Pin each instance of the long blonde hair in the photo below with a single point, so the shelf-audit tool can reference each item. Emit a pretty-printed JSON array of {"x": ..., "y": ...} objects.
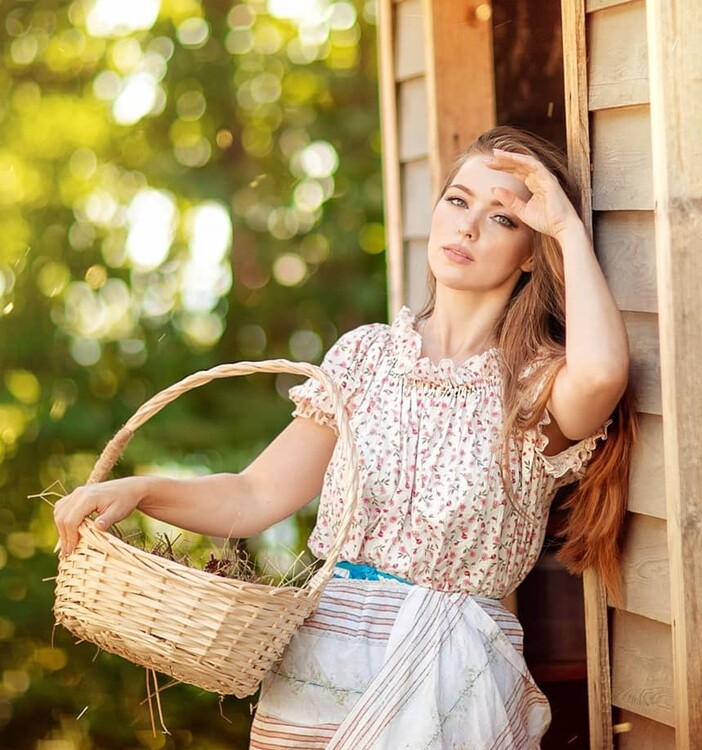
[{"x": 531, "y": 336}]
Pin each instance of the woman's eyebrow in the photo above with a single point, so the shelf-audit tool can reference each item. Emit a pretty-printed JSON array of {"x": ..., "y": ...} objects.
[{"x": 472, "y": 194}]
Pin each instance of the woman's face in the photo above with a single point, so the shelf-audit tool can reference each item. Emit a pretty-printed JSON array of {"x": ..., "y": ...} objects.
[{"x": 475, "y": 243}]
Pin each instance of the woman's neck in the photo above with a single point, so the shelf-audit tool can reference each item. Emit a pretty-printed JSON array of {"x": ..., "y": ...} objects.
[{"x": 460, "y": 326}]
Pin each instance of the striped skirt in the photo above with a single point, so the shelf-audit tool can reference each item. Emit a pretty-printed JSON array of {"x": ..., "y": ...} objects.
[{"x": 383, "y": 665}]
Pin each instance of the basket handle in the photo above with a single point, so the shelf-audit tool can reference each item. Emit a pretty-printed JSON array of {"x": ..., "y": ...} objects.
[{"x": 113, "y": 450}]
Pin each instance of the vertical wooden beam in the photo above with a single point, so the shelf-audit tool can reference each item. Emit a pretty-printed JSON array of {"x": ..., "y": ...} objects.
[
  {"x": 391, "y": 156},
  {"x": 460, "y": 78},
  {"x": 675, "y": 74},
  {"x": 576, "y": 98},
  {"x": 578, "y": 142}
]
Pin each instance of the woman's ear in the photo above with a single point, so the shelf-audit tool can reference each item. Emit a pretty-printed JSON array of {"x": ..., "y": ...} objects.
[{"x": 528, "y": 265}]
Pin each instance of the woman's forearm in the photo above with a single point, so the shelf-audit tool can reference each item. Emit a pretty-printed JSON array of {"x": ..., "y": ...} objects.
[
  {"x": 286, "y": 476},
  {"x": 223, "y": 505},
  {"x": 597, "y": 351}
]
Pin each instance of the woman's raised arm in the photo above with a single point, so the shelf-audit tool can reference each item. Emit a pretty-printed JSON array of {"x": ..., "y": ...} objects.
[
  {"x": 285, "y": 477},
  {"x": 594, "y": 377}
]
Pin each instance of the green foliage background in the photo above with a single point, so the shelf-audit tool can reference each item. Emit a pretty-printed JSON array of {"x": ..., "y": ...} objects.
[{"x": 269, "y": 121}]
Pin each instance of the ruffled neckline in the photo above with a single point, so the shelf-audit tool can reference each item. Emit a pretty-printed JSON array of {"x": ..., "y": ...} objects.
[{"x": 407, "y": 343}]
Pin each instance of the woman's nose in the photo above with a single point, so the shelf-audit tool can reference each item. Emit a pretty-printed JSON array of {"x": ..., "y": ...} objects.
[{"x": 469, "y": 226}]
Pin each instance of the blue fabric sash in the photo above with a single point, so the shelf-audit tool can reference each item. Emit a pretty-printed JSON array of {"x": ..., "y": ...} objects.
[{"x": 359, "y": 571}]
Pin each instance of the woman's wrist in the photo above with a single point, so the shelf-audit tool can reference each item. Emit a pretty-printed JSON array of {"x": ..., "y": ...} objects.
[
  {"x": 571, "y": 233},
  {"x": 144, "y": 487}
]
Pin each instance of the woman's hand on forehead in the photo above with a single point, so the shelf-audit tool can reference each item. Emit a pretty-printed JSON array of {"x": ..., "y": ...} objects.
[{"x": 548, "y": 210}]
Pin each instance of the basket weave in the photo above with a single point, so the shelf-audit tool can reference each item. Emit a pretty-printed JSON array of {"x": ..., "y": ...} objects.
[{"x": 217, "y": 633}]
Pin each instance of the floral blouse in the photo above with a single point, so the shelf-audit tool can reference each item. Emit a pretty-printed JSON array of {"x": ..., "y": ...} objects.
[{"x": 432, "y": 508}]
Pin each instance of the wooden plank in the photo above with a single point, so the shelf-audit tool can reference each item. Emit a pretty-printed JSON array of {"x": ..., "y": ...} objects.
[
  {"x": 575, "y": 80},
  {"x": 647, "y": 484},
  {"x": 621, "y": 159},
  {"x": 645, "y": 360},
  {"x": 675, "y": 55},
  {"x": 618, "y": 56},
  {"x": 417, "y": 199},
  {"x": 414, "y": 139},
  {"x": 409, "y": 43},
  {"x": 593, "y": 5},
  {"x": 417, "y": 268},
  {"x": 645, "y": 579},
  {"x": 642, "y": 673},
  {"x": 599, "y": 686},
  {"x": 391, "y": 158},
  {"x": 460, "y": 79},
  {"x": 598, "y": 660},
  {"x": 626, "y": 247},
  {"x": 644, "y": 734}
]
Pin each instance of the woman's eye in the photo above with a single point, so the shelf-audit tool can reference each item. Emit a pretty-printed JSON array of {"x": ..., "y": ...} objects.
[
  {"x": 505, "y": 221},
  {"x": 456, "y": 200}
]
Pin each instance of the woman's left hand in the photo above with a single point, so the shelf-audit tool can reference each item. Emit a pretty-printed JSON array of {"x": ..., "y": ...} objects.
[{"x": 548, "y": 210}]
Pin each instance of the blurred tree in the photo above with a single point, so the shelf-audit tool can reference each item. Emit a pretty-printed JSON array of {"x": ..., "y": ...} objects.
[{"x": 181, "y": 184}]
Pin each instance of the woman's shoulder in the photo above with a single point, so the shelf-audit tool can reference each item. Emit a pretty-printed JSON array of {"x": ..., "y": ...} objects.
[
  {"x": 400, "y": 330},
  {"x": 364, "y": 336},
  {"x": 359, "y": 346}
]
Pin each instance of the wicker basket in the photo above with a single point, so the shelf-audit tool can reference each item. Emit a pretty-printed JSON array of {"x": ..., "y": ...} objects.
[{"x": 217, "y": 633}]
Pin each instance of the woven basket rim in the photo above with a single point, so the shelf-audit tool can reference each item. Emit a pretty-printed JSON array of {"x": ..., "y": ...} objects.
[{"x": 111, "y": 544}]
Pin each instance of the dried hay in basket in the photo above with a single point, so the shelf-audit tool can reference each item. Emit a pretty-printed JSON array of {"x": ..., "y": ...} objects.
[{"x": 217, "y": 633}]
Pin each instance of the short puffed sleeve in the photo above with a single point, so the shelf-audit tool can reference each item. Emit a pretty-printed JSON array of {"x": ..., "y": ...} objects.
[
  {"x": 343, "y": 363},
  {"x": 569, "y": 465}
]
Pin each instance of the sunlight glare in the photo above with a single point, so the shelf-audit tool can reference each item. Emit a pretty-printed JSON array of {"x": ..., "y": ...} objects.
[
  {"x": 152, "y": 217},
  {"x": 120, "y": 17},
  {"x": 137, "y": 98},
  {"x": 207, "y": 274},
  {"x": 211, "y": 232},
  {"x": 297, "y": 10}
]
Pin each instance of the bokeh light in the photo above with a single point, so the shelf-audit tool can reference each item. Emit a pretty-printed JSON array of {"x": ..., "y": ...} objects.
[
  {"x": 119, "y": 17},
  {"x": 152, "y": 217}
]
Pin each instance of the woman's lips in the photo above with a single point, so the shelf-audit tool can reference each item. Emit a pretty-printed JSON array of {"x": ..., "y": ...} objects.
[{"x": 457, "y": 254}]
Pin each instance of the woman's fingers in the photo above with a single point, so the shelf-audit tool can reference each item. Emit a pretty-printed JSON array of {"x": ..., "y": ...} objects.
[
  {"x": 112, "y": 500},
  {"x": 69, "y": 513},
  {"x": 509, "y": 200},
  {"x": 522, "y": 166}
]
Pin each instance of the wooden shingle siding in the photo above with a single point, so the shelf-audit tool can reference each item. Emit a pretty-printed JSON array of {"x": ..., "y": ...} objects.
[
  {"x": 410, "y": 57},
  {"x": 642, "y": 667},
  {"x": 417, "y": 199},
  {"x": 621, "y": 159},
  {"x": 646, "y": 581},
  {"x": 626, "y": 247},
  {"x": 645, "y": 734},
  {"x": 645, "y": 360},
  {"x": 413, "y": 114},
  {"x": 647, "y": 484},
  {"x": 593, "y": 5},
  {"x": 618, "y": 56}
]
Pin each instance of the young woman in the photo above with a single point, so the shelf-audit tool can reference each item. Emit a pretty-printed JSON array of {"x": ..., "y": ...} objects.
[{"x": 468, "y": 417}]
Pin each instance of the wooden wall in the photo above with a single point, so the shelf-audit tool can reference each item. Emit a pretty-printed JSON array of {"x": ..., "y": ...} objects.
[
  {"x": 606, "y": 62},
  {"x": 624, "y": 234},
  {"x": 640, "y": 119},
  {"x": 423, "y": 56}
]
